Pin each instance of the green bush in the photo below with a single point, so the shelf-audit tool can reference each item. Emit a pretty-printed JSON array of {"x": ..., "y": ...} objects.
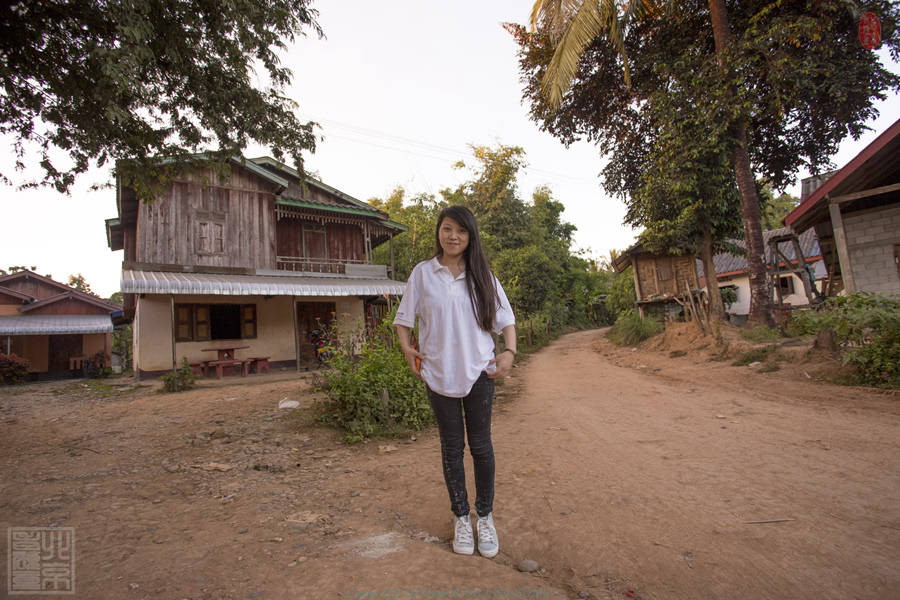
[
  {"x": 867, "y": 326},
  {"x": 13, "y": 369},
  {"x": 631, "y": 328},
  {"x": 373, "y": 392},
  {"x": 180, "y": 380}
]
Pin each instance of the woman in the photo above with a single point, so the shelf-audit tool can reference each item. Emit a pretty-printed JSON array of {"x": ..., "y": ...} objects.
[{"x": 459, "y": 302}]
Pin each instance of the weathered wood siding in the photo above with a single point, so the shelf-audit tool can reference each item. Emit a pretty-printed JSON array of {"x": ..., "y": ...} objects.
[
  {"x": 665, "y": 275},
  {"x": 69, "y": 306},
  {"x": 343, "y": 242},
  {"x": 32, "y": 287},
  {"x": 205, "y": 222}
]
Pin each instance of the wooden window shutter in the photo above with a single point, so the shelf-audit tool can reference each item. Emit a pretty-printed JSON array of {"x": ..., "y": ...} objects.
[
  {"x": 201, "y": 322},
  {"x": 218, "y": 238},
  {"x": 183, "y": 323},
  {"x": 248, "y": 320},
  {"x": 203, "y": 243}
]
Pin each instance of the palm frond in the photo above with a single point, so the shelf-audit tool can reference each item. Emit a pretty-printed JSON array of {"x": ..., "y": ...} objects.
[
  {"x": 553, "y": 16},
  {"x": 586, "y": 24}
]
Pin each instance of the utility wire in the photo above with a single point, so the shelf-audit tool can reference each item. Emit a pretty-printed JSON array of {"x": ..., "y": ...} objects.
[{"x": 425, "y": 149}]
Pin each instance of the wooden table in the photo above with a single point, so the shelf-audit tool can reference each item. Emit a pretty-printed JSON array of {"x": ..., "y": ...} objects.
[
  {"x": 225, "y": 352},
  {"x": 226, "y": 360}
]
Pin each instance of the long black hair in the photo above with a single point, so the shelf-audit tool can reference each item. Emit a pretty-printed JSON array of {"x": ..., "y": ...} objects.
[{"x": 479, "y": 280}]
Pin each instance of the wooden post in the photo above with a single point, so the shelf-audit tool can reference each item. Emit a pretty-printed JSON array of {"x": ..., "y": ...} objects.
[
  {"x": 392, "y": 255},
  {"x": 9, "y": 344},
  {"x": 637, "y": 285},
  {"x": 655, "y": 276},
  {"x": 840, "y": 240},
  {"x": 776, "y": 270},
  {"x": 296, "y": 332},
  {"x": 637, "y": 281},
  {"x": 174, "y": 333}
]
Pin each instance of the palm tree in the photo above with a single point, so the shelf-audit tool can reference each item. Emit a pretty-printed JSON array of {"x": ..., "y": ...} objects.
[{"x": 575, "y": 23}]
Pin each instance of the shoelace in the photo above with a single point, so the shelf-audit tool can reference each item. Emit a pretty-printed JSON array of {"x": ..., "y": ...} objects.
[
  {"x": 463, "y": 531},
  {"x": 485, "y": 532}
]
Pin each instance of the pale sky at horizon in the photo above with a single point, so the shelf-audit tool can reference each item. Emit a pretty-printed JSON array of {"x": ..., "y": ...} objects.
[{"x": 398, "y": 105}]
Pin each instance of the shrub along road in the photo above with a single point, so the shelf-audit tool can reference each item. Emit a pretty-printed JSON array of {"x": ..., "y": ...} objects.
[{"x": 622, "y": 474}]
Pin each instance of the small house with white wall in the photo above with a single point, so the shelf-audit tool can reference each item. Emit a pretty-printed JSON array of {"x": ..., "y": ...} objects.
[
  {"x": 732, "y": 271},
  {"x": 55, "y": 327}
]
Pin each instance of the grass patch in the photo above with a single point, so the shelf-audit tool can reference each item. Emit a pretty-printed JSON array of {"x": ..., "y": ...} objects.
[
  {"x": 677, "y": 353},
  {"x": 755, "y": 355},
  {"x": 631, "y": 329},
  {"x": 770, "y": 367},
  {"x": 760, "y": 333}
]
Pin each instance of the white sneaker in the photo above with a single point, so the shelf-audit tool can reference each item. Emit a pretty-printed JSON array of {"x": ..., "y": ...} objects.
[
  {"x": 463, "y": 542},
  {"x": 488, "y": 543}
]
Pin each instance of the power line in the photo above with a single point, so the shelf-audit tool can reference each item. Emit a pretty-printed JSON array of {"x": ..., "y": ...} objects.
[{"x": 424, "y": 149}]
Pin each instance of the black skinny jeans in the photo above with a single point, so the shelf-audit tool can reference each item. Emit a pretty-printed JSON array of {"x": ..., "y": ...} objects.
[{"x": 449, "y": 414}]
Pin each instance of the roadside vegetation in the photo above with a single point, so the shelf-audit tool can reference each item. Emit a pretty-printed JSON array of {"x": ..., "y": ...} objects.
[
  {"x": 631, "y": 329},
  {"x": 866, "y": 329}
]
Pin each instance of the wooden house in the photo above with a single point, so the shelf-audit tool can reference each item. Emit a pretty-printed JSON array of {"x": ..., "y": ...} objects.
[
  {"x": 255, "y": 261},
  {"x": 659, "y": 279},
  {"x": 855, "y": 213},
  {"x": 55, "y": 327}
]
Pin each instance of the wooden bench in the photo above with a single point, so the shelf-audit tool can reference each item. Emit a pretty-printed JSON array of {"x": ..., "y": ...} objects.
[
  {"x": 76, "y": 363},
  {"x": 200, "y": 368},
  {"x": 221, "y": 365},
  {"x": 258, "y": 363}
]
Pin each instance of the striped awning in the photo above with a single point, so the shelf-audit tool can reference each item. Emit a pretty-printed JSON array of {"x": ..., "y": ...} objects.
[
  {"x": 55, "y": 324},
  {"x": 160, "y": 282}
]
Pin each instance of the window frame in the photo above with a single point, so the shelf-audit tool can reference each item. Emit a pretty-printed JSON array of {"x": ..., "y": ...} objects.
[{"x": 197, "y": 324}]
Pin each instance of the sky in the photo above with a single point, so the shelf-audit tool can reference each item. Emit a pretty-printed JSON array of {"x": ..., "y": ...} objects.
[{"x": 401, "y": 90}]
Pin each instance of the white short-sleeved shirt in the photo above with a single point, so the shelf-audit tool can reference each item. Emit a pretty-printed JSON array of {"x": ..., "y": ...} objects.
[{"x": 456, "y": 349}]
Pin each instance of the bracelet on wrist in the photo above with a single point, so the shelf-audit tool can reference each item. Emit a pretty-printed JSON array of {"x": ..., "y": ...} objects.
[{"x": 509, "y": 350}]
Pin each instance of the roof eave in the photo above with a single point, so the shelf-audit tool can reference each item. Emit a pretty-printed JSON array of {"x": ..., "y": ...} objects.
[{"x": 795, "y": 219}]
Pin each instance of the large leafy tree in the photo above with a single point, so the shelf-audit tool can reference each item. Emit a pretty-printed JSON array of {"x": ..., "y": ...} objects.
[
  {"x": 791, "y": 82},
  {"x": 417, "y": 243},
  {"x": 98, "y": 80}
]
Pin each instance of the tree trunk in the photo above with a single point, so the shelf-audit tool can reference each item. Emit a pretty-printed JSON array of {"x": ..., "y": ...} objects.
[
  {"x": 712, "y": 283},
  {"x": 760, "y": 294},
  {"x": 760, "y": 301}
]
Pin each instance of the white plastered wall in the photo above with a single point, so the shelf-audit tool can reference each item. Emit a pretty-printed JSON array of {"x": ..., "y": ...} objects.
[{"x": 274, "y": 328}]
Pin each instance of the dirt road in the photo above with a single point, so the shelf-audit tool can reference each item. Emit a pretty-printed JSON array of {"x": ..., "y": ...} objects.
[{"x": 623, "y": 474}]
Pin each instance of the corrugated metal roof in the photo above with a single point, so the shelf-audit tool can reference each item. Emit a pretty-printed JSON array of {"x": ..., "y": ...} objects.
[
  {"x": 55, "y": 324},
  {"x": 159, "y": 282},
  {"x": 725, "y": 262}
]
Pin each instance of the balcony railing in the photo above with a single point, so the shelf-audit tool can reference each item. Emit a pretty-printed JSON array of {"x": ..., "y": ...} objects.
[{"x": 314, "y": 265}]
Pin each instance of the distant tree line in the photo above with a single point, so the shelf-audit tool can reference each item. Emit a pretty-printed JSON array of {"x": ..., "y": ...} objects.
[{"x": 550, "y": 285}]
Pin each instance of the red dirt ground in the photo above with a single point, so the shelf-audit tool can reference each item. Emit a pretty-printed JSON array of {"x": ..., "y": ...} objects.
[{"x": 623, "y": 473}]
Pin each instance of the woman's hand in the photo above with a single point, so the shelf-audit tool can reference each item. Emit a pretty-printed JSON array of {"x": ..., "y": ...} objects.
[
  {"x": 414, "y": 360},
  {"x": 503, "y": 365}
]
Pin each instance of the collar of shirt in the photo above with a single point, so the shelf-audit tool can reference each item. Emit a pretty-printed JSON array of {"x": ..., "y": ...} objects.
[{"x": 437, "y": 266}]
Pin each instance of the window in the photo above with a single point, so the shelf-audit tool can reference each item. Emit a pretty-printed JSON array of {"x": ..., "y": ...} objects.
[
  {"x": 200, "y": 322},
  {"x": 210, "y": 237},
  {"x": 786, "y": 284}
]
